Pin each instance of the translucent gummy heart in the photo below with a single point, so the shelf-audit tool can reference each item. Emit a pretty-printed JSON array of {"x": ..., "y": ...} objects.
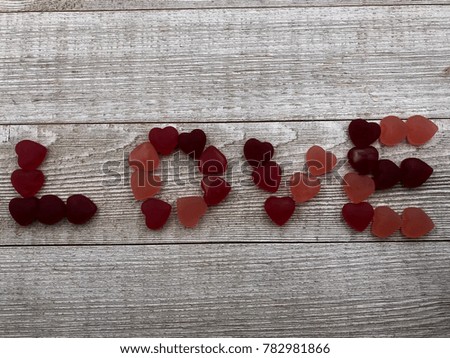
[
  {"x": 192, "y": 143},
  {"x": 216, "y": 189},
  {"x": 416, "y": 223},
  {"x": 165, "y": 140},
  {"x": 414, "y": 172},
  {"x": 212, "y": 162},
  {"x": 267, "y": 176},
  {"x": 190, "y": 210},
  {"x": 156, "y": 213},
  {"x": 30, "y": 155},
  {"x": 358, "y": 187},
  {"x": 320, "y": 161},
  {"x": 358, "y": 216},
  {"x": 51, "y": 209},
  {"x": 420, "y": 130},
  {"x": 144, "y": 157},
  {"x": 304, "y": 188},
  {"x": 24, "y": 210},
  {"x": 385, "y": 222},
  {"x": 363, "y": 133},
  {"x": 363, "y": 160},
  {"x": 279, "y": 209},
  {"x": 79, "y": 209},
  {"x": 393, "y": 131},
  {"x": 144, "y": 185},
  {"x": 27, "y": 182},
  {"x": 257, "y": 152},
  {"x": 386, "y": 174}
]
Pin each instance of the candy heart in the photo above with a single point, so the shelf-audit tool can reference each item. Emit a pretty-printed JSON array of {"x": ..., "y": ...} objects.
[
  {"x": 267, "y": 176},
  {"x": 192, "y": 143},
  {"x": 386, "y": 174},
  {"x": 393, "y": 131},
  {"x": 279, "y": 210},
  {"x": 79, "y": 209},
  {"x": 30, "y": 154},
  {"x": 216, "y": 189},
  {"x": 144, "y": 157},
  {"x": 24, "y": 210},
  {"x": 156, "y": 213},
  {"x": 358, "y": 216},
  {"x": 320, "y": 161},
  {"x": 165, "y": 140},
  {"x": 363, "y": 133},
  {"x": 420, "y": 130},
  {"x": 414, "y": 172},
  {"x": 358, "y": 187},
  {"x": 385, "y": 222},
  {"x": 416, "y": 223},
  {"x": 212, "y": 162},
  {"x": 303, "y": 188},
  {"x": 363, "y": 160},
  {"x": 256, "y": 152},
  {"x": 51, "y": 209},
  {"x": 190, "y": 210},
  {"x": 27, "y": 182},
  {"x": 144, "y": 184}
]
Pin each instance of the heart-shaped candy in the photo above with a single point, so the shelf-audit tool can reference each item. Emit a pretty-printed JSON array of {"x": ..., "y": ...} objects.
[
  {"x": 216, "y": 189},
  {"x": 393, "y": 131},
  {"x": 79, "y": 209},
  {"x": 267, "y": 176},
  {"x": 358, "y": 216},
  {"x": 165, "y": 140},
  {"x": 190, "y": 210},
  {"x": 363, "y": 133},
  {"x": 385, "y": 222},
  {"x": 416, "y": 223},
  {"x": 192, "y": 143},
  {"x": 144, "y": 157},
  {"x": 27, "y": 182},
  {"x": 414, "y": 172},
  {"x": 257, "y": 152},
  {"x": 363, "y": 160},
  {"x": 51, "y": 209},
  {"x": 386, "y": 174},
  {"x": 358, "y": 187},
  {"x": 279, "y": 209},
  {"x": 303, "y": 188},
  {"x": 320, "y": 161},
  {"x": 144, "y": 184},
  {"x": 420, "y": 130},
  {"x": 30, "y": 154},
  {"x": 212, "y": 162},
  {"x": 24, "y": 210},
  {"x": 156, "y": 213}
]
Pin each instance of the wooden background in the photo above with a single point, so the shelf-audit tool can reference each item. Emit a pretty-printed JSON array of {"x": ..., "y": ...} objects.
[{"x": 90, "y": 78}]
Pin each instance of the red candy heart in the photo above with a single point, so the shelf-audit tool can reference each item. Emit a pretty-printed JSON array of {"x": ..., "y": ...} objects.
[
  {"x": 79, "y": 209},
  {"x": 156, "y": 213},
  {"x": 24, "y": 210},
  {"x": 385, "y": 222},
  {"x": 192, "y": 143},
  {"x": 51, "y": 209},
  {"x": 363, "y": 133},
  {"x": 212, "y": 162},
  {"x": 27, "y": 182},
  {"x": 279, "y": 210},
  {"x": 358, "y": 216},
  {"x": 393, "y": 131},
  {"x": 386, "y": 174},
  {"x": 320, "y": 161},
  {"x": 257, "y": 152},
  {"x": 420, "y": 130},
  {"x": 414, "y": 172},
  {"x": 190, "y": 210},
  {"x": 416, "y": 223},
  {"x": 165, "y": 140},
  {"x": 144, "y": 184},
  {"x": 267, "y": 176},
  {"x": 304, "y": 188},
  {"x": 144, "y": 157},
  {"x": 216, "y": 190},
  {"x": 363, "y": 160},
  {"x": 30, "y": 154},
  {"x": 358, "y": 187}
]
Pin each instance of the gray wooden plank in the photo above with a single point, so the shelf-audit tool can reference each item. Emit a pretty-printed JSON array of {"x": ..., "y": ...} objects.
[
  {"x": 290, "y": 290},
  {"x": 224, "y": 64},
  {"x": 77, "y": 154}
]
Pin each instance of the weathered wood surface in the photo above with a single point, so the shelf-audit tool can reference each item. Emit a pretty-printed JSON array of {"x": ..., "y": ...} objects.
[{"x": 225, "y": 64}]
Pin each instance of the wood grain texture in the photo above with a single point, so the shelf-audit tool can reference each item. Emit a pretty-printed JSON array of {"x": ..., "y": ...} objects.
[
  {"x": 79, "y": 154},
  {"x": 224, "y": 64}
]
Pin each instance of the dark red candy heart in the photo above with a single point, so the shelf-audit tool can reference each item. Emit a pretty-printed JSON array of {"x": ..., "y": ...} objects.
[
  {"x": 51, "y": 209},
  {"x": 192, "y": 143},
  {"x": 358, "y": 216},
  {"x": 279, "y": 210},
  {"x": 23, "y": 210},
  {"x": 363, "y": 133},
  {"x": 165, "y": 140},
  {"x": 414, "y": 172},
  {"x": 80, "y": 209},
  {"x": 386, "y": 174},
  {"x": 216, "y": 189},
  {"x": 27, "y": 182},
  {"x": 30, "y": 154},
  {"x": 212, "y": 162},
  {"x": 257, "y": 152},
  {"x": 363, "y": 160},
  {"x": 267, "y": 176},
  {"x": 156, "y": 213}
]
